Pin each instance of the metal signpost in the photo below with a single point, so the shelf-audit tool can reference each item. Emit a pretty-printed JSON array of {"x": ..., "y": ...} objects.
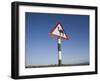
[{"x": 58, "y": 31}]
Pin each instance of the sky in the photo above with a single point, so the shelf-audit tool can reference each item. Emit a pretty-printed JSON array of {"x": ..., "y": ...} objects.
[{"x": 41, "y": 48}]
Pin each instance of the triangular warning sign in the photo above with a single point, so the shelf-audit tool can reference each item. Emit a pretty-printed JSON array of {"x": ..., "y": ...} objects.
[{"x": 58, "y": 31}]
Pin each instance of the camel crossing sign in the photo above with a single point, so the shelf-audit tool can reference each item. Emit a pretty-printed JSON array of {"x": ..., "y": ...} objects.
[{"x": 59, "y": 32}]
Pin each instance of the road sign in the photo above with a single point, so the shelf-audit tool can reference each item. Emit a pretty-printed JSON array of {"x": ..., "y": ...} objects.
[{"x": 58, "y": 31}]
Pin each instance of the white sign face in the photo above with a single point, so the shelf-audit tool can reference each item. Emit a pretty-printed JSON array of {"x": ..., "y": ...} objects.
[{"x": 58, "y": 31}]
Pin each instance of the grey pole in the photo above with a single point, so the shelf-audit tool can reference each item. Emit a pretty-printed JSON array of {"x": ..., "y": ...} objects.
[{"x": 59, "y": 52}]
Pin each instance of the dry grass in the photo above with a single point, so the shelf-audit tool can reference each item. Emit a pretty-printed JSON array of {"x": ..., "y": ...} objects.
[{"x": 55, "y": 65}]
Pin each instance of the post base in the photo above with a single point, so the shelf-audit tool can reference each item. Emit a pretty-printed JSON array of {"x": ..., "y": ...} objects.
[{"x": 59, "y": 62}]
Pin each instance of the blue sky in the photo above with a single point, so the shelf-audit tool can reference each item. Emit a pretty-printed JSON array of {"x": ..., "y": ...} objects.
[{"x": 41, "y": 48}]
